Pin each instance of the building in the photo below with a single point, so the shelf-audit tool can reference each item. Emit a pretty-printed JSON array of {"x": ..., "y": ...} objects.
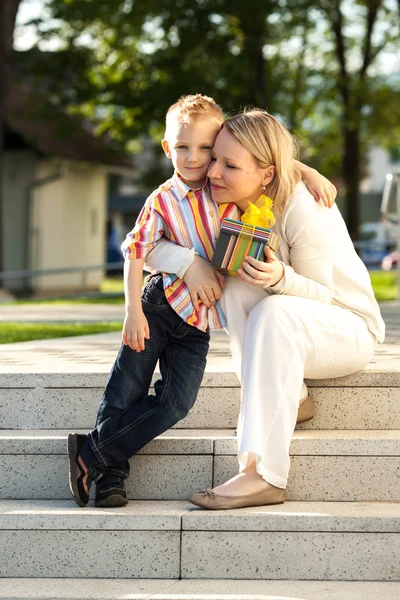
[
  {"x": 380, "y": 162},
  {"x": 55, "y": 191}
]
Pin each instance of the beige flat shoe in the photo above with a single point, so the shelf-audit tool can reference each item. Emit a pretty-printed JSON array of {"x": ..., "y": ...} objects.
[
  {"x": 212, "y": 501},
  {"x": 306, "y": 410}
]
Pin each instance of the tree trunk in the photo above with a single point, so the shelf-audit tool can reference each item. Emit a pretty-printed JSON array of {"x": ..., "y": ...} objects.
[
  {"x": 8, "y": 13},
  {"x": 351, "y": 177},
  {"x": 254, "y": 31},
  {"x": 298, "y": 81},
  {"x": 257, "y": 72}
]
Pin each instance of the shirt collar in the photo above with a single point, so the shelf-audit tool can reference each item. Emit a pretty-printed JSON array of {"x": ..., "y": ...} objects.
[{"x": 181, "y": 188}]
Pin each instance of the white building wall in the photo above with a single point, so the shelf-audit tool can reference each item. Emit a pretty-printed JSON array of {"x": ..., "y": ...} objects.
[
  {"x": 69, "y": 218},
  {"x": 379, "y": 164}
]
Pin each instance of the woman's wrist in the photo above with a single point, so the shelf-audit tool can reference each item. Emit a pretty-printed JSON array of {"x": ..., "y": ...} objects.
[
  {"x": 282, "y": 273},
  {"x": 186, "y": 264},
  {"x": 168, "y": 257},
  {"x": 280, "y": 284}
]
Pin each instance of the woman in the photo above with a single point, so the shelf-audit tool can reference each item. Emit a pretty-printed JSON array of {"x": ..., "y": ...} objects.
[{"x": 307, "y": 312}]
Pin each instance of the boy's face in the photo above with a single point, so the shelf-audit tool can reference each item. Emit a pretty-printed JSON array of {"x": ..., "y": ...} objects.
[{"x": 189, "y": 146}]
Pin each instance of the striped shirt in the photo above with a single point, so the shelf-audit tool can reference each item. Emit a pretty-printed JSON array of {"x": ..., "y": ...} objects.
[{"x": 189, "y": 218}]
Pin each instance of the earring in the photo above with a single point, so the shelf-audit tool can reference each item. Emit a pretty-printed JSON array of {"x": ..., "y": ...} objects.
[{"x": 264, "y": 188}]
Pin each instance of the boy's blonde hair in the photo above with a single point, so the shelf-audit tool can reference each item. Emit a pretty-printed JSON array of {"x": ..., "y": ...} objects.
[
  {"x": 271, "y": 144},
  {"x": 188, "y": 108}
]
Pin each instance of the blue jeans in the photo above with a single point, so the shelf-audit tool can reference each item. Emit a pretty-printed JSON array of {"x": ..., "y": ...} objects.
[{"x": 129, "y": 417}]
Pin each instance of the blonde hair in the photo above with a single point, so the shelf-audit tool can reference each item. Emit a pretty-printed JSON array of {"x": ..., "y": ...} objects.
[
  {"x": 270, "y": 143},
  {"x": 188, "y": 108}
]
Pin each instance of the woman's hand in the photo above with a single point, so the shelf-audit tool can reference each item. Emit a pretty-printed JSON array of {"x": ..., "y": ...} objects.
[
  {"x": 135, "y": 329},
  {"x": 203, "y": 282},
  {"x": 320, "y": 187},
  {"x": 262, "y": 274}
]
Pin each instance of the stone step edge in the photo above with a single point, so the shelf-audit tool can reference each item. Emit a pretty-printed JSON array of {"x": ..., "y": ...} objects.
[
  {"x": 190, "y": 589},
  {"x": 370, "y": 377},
  {"x": 167, "y": 515},
  {"x": 219, "y": 442}
]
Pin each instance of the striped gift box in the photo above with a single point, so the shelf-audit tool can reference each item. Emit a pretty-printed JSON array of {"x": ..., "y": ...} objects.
[{"x": 238, "y": 240}]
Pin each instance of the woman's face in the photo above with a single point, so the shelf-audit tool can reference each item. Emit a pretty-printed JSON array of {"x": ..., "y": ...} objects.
[{"x": 234, "y": 174}]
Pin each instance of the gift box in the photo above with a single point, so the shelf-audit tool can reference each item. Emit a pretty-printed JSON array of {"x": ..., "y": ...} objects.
[{"x": 238, "y": 239}]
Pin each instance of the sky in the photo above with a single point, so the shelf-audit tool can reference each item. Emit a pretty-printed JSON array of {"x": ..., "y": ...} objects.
[{"x": 29, "y": 9}]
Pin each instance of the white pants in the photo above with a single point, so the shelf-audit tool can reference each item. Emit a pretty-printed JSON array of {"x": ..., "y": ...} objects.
[{"x": 277, "y": 341}]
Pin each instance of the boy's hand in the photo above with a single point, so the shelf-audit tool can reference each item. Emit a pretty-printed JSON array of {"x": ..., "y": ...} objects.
[
  {"x": 320, "y": 187},
  {"x": 135, "y": 330},
  {"x": 204, "y": 283}
]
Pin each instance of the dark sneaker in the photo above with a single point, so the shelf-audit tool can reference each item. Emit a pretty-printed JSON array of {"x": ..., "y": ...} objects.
[
  {"x": 79, "y": 463},
  {"x": 110, "y": 492}
]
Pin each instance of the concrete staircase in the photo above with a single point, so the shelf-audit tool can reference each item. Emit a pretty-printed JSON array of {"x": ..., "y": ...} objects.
[{"x": 336, "y": 538}]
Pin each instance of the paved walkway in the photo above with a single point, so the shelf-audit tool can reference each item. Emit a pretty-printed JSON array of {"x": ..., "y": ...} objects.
[
  {"x": 60, "y": 313},
  {"x": 87, "y": 354},
  {"x": 96, "y": 353}
]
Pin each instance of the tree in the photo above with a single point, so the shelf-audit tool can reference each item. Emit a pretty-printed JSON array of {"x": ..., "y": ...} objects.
[
  {"x": 128, "y": 61},
  {"x": 8, "y": 14},
  {"x": 144, "y": 55},
  {"x": 355, "y": 85}
]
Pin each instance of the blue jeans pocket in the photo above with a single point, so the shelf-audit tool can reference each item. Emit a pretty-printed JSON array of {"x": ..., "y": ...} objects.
[{"x": 153, "y": 295}]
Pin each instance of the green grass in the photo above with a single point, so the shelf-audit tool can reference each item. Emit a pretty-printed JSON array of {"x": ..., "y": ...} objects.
[
  {"x": 24, "y": 332},
  {"x": 113, "y": 285},
  {"x": 384, "y": 284}
]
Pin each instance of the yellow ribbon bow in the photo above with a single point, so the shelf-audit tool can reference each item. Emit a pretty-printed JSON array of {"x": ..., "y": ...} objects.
[{"x": 260, "y": 213}]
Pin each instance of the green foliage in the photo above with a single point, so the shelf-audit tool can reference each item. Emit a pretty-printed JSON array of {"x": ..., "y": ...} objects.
[
  {"x": 123, "y": 62},
  {"x": 133, "y": 59}
]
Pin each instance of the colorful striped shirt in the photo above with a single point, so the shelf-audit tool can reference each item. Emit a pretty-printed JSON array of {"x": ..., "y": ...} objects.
[{"x": 189, "y": 218}]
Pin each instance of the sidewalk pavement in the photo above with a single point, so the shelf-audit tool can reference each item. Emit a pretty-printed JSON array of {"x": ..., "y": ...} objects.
[
  {"x": 88, "y": 354},
  {"x": 60, "y": 313},
  {"x": 96, "y": 353}
]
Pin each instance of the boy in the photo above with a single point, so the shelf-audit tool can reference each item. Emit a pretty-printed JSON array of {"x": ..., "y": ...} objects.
[{"x": 162, "y": 324}]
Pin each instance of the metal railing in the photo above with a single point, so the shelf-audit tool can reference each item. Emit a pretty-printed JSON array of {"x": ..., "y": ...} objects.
[{"x": 83, "y": 270}]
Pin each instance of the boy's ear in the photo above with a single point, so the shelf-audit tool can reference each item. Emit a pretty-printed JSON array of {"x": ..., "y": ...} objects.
[
  {"x": 166, "y": 148},
  {"x": 269, "y": 174}
]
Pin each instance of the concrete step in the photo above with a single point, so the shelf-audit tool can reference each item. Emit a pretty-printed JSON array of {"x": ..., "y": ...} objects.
[
  {"x": 189, "y": 589},
  {"x": 326, "y": 465},
  {"x": 172, "y": 540},
  {"x": 296, "y": 541},
  {"x": 366, "y": 400}
]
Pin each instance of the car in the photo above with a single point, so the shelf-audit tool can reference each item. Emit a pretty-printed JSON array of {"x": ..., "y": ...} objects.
[
  {"x": 390, "y": 261},
  {"x": 374, "y": 243}
]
